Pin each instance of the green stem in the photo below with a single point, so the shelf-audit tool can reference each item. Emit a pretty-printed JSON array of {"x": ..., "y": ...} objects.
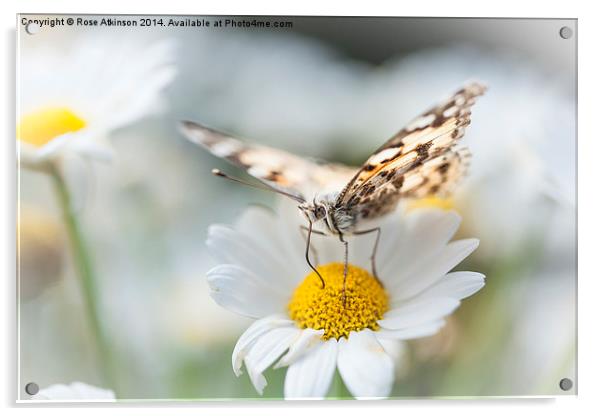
[{"x": 83, "y": 264}]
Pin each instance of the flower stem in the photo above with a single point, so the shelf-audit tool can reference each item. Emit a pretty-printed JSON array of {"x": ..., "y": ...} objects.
[{"x": 83, "y": 265}]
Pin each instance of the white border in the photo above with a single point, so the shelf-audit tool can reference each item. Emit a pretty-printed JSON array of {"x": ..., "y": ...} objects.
[
  {"x": 590, "y": 281},
  {"x": 508, "y": 8}
]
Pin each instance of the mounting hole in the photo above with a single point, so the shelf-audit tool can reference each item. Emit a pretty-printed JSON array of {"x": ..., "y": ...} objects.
[
  {"x": 566, "y": 32},
  {"x": 32, "y": 28},
  {"x": 32, "y": 389},
  {"x": 566, "y": 384}
]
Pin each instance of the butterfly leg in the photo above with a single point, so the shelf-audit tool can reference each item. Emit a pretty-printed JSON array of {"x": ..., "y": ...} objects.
[
  {"x": 307, "y": 247},
  {"x": 373, "y": 255},
  {"x": 346, "y": 267}
]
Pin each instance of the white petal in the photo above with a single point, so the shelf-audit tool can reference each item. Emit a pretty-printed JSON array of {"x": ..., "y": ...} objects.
[
  {"x": 258, "y": 222},
  {"x": 393, "y": 347},
  {"x": 145, "y": 102},
  {"x": 366, "y": 368},
  {"x": 418, "y": 331},
  {"x": 425, "y": 233},
  {"x": 93, "y": 147},
  {"x": 360, "y": 250},
  {"x": 28, "y": 154},
  {"x": 242, "y": 292},
  {"x": 74, "y": 391},
  {"x": 132, "y": 81},
  {"x": 310, "y": 376},
  {"x": 393, "y": 231},
  {"x": 457, "y": 285},
  {"x": 229, "y": 246},
  {"x": 416, "y": 280},
  {"x": 308, "y": 339},
  {"x": 418, "y": 311},
  {"x": 398, "y": 350},
  {"x": 260, "y": 225},
  {"x": 266, "y": 350},
  {"x": 54, "y": 146},
  {"x": 88, "y": 143},
  {"x": 290, "y": 239},
  {"x": 328, "y": 248},
  {"x": 250, "y": 336}
]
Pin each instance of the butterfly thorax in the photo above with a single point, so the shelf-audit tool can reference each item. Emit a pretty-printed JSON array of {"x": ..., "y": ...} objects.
[{"x": 327, "y": 216}]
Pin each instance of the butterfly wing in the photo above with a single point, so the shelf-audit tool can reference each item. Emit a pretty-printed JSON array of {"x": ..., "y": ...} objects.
[
  {"x": 438, "y": 176},
  {"x": 420, "y": 160},
  {"x": 276, "y": 168}
]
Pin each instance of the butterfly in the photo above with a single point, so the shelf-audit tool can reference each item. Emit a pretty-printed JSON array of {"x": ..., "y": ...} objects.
[{"x": 421, "y": 160}]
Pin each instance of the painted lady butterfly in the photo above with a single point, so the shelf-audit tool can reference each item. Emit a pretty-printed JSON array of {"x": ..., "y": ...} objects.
[{"x": 421, "y": 160}]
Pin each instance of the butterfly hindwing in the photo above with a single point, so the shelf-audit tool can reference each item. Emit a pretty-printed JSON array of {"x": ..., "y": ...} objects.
[{"x": 438, "y": 176}]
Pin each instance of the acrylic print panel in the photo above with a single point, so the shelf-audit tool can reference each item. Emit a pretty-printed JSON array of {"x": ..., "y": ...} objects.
[{"x": 143, "y": 276}]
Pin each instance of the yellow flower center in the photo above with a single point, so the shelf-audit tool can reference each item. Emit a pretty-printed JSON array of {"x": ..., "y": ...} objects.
[
  {"x": 41, "y": 126},
  {"x": 432, "y": 202},
  {"x": 322, "y": 308}
]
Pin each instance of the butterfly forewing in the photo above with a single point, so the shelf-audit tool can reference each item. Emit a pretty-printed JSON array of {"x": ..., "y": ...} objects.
[
  {"x": 279, "y": 169},
  {"x": 418, "y": 161}
]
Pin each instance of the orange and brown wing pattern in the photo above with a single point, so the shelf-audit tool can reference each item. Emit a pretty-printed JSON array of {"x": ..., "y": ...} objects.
[
  {"x": 398, "y": 167},
  {"x": 437, "y": 177}
]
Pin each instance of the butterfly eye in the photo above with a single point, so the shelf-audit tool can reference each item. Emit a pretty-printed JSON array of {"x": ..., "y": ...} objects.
[{"x": 320, "y": 212}]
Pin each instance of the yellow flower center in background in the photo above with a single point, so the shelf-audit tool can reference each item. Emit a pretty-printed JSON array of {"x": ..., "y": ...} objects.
[
  {"x": 431, "y": 202},
  {"x": 40, "y": 127},
  {"x": 313, "y": 307}
]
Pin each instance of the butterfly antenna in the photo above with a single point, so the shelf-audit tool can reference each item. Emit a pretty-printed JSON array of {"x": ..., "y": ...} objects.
[
  {"x": 307, "y": 246},
  {"x": 221, "y": 174}
]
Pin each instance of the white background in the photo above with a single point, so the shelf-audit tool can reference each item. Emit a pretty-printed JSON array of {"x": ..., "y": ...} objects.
[{"x": 590, "y": 138}]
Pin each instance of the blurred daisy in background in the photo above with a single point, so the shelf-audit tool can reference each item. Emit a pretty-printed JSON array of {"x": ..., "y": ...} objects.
[
  {"x": 69, "y": 101},
  {"x": 76, "y": 391},
  {"x": 307, "y": 328}
]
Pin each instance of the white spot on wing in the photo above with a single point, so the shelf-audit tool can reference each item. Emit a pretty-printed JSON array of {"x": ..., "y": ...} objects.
[
  {"x": 421, "y": 122},
  {"x": 450, "y": 111},
  {"x": 225, "y": 148},
  {"x": 259, "y": 171},
  {"x": 383, "y": 155}
]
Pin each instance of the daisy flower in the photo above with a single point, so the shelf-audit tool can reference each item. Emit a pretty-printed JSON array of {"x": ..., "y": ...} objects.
[
  {"x": 76, "y": 391},
  {"x": 70, "y": 99},
  {"x": 263, "y": 275}
]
